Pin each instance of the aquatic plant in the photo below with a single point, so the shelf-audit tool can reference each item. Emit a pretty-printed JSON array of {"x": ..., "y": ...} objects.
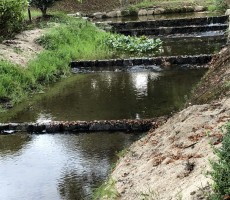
[{"x": 133, "y": 44}]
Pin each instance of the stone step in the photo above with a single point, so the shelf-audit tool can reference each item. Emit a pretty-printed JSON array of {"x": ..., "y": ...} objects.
[
  {"x": 162, "y": 31},
  {"x": 161, "y": 61},
  {"x": 170, "y": 23},
  {"x": 129, "y": 125}
]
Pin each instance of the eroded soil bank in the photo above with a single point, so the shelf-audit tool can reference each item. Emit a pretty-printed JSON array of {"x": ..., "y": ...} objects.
[{"x": 172, "y": 161}]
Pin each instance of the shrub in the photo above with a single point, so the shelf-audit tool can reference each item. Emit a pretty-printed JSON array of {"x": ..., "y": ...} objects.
[
  {"x": 221, "y": 168},
  {"x": 11, "y": 15}
]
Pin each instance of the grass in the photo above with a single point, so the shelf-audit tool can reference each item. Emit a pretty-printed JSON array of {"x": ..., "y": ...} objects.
[
  {"x": 71, "y": 39},
  {"x": 106, "y": 190},
  {"x": 221, "y": 169}
]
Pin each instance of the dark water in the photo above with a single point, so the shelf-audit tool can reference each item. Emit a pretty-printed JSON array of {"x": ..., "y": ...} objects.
[
  {"x": 199, "y": 44},
  {"x": 53, "y": 167},
  {"x": 110, "y": 95},
  {"x": 68, "y": 166}
]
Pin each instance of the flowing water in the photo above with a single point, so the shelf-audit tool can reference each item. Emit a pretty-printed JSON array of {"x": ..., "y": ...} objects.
[{"x": 70, "y": 166}]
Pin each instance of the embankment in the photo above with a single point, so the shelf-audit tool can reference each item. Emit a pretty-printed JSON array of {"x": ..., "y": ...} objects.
[{"x": 172, "y": 161}]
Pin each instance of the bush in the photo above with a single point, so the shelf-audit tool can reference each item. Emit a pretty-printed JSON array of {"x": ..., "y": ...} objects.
[
  {"x": 221, "y": 168},
  {"x": 11, "y": 15}
]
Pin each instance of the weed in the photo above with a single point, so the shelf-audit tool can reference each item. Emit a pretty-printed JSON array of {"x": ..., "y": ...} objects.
[
  {"x": 106, "y": 190},
  {"x": 221, "y": 168},
  {"x": 122, "y": 153}
]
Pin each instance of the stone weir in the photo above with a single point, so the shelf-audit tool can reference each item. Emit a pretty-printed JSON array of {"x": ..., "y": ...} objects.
[
  {"x": 174, "y": 26},
  {"x": 163, "y": 61},
  {"x": 129, "y": 126}
]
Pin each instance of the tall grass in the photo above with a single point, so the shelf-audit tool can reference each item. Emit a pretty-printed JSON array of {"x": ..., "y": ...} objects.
[{"x": 70, "y": 39}]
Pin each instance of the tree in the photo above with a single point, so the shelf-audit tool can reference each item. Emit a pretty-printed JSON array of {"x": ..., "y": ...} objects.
[
  {"x": 43, "y": 5},
  {"x": 11, "y": 15}
]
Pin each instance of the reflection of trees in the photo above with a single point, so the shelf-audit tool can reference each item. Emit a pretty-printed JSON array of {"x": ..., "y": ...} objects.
[
  {"x": 89, "y": 167},
  {"x": 78, "y": 187},
  {"x": 11, "y": 144}
]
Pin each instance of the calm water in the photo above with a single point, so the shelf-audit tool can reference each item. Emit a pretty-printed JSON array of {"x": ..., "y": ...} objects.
[
  {"x": 53, "y": 167},
  {"x": 68, "y": 166},
  {"x": 110, "y": 95}
]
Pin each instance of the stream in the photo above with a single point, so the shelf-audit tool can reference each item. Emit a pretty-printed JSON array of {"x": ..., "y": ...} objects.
[{"x": 70, "y": 166}]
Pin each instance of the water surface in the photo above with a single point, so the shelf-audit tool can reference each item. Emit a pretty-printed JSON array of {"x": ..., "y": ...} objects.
[
  {"x": 110, "y": 95},
  {"x": 53, "y": 167}
]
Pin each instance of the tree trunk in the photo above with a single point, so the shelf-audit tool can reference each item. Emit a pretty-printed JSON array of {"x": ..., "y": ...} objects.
[{"x": 43, "y": 10}]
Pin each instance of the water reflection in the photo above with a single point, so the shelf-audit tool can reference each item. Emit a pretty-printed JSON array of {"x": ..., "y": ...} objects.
[
  {"x": 59, "y": 166},
  {"x": 113, "y": 95},
  {"x": 13, "y": 144}
]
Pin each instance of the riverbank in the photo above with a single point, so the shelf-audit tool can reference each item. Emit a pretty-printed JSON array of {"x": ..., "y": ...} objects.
[
  {"x": 172, "y": 162},
  {"x": 39, "y": 57}
]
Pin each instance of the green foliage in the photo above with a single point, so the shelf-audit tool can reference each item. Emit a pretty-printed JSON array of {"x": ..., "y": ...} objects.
[
  {"x": 14, "y": 82},
  {"x": 131, "y": 44},
  {"x": 11, "y": 15},
  {"x": 221, "y": 168},
  {"x": 106, "y": 190},
  {"x": 71, "y": 39},
  {"x": 217, "y": 5},
  {"x": 43, "y": 5}
]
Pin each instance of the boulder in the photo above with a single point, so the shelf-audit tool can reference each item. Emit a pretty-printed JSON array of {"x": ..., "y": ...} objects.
[
  {"x": 99, "y": 15},
  {"x": 118, "y": 13},
  {"x": 199, "y": 8},
  {"x": 142, "y": 12},
  {"x": 111, "y": 14},
  {"x": 159, "y": 11},
  {"x": 227, "y": 12},
  {"x": 150, "y": 12}
]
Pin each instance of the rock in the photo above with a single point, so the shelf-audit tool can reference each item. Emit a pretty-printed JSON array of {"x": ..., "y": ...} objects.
[
  {"x": 159, "y": 11},
  {"x": 227, "y": 12},
  {"x": 142, "y": 12},
  {"x": 150, "y": 12},
  {"x": 118, "y": 13},
  {"x": 111, "y": 14},
  {"x": 199, "y": 8},
  {"x": 99, "y": 15}
]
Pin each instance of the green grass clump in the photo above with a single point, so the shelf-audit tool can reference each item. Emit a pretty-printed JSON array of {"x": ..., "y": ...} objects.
[
  {"x": 221, "y": 169},
  {"x": 70, "y": 39},
  {"x": 15, "y": 82},
  {"x": 106, "y": 190}
]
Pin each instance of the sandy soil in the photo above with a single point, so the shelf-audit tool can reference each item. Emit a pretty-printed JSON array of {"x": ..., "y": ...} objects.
[
  {"x": 172, "y": 162},
  {"x": 22, "y": 48}
]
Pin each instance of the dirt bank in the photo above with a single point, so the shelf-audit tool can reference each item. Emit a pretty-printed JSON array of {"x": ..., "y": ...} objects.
[
  {"x": 172, "y": 161},
  {"x": 22, "y": 48}
]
